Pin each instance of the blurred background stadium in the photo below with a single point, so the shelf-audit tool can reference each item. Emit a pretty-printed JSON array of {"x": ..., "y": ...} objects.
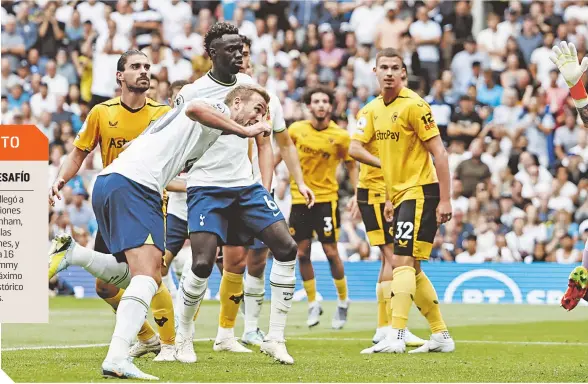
[{"x": 518, "y": 153}]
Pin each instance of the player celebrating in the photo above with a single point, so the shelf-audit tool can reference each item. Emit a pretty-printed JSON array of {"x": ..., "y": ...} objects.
[
  {"x": 321, "y": 145},
  {"x": 565, "y": 56},
  {"x": 221, "y": 189},
  {"x": 369, "y": 200},
  {"x": 127, "y": 200},
  {"x": 255, "y": 258},
  {"x": 111, "y": 125},
  {"x": 417, "y": 199}
]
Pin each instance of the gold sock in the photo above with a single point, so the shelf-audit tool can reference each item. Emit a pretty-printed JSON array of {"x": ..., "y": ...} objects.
[
  {"x": 310, "y": 288},
  {"x": 231, "y": 294},
  {"x": 386, "y": 287},
  {"x": 427, "y": 302},
  {"x": 162, "y": 307},
  {"x": 146, "y": 331},
  {"x": 403, "y": 292},
  {"x": 341, "y": 286},
  {"x": 381, "y": 306}
]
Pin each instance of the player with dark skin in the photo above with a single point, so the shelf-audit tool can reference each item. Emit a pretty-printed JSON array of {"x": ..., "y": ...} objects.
[{"x": 225, "y": 47}]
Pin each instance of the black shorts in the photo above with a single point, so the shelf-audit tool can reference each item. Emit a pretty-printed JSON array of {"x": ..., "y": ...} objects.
[
  {"x": 322, "y": 219},
  {"x": 415, "y": 221}
]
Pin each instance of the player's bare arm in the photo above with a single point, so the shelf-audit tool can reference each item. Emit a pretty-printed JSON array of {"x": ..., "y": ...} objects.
[
  {"x": 352, "y": 168},
  {"x": 289, "y": 154},
  {"x": 359, "y": 153},
  {"x": 210, "y": 117},
  {"x": 437, "y": 149},
  {"x": 176, "y": 185},
  {"x": 68, "y": 169},
  {"x": 266, "y": 160}
]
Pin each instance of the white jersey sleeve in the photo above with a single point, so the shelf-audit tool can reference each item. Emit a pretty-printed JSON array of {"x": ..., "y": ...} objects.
[
  {"x": 177, "y": 202},
  {"x": 227, "y": 163},
  {"x": 170, "y": 144}
]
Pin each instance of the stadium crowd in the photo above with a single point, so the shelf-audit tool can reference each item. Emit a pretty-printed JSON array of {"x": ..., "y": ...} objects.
[{"x": 518, "y": 151}]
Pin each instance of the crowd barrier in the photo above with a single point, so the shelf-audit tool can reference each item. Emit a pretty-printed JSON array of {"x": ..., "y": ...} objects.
[{"x": 490, "y": 283}]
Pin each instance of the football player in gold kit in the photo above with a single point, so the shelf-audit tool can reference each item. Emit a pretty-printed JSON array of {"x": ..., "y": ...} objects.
[
  {"x": 417, "y": 199},
  {"x": 322, "y": 145},
  {"x": 369, "y": 201},
  {"x": 111, "y": 125}
]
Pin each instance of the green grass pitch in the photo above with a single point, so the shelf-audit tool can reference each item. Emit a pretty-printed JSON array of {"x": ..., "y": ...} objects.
[{"x": 494, "y": 343}]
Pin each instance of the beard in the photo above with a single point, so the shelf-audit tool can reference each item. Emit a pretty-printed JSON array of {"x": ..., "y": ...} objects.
[{"x": 138, "y": 88}]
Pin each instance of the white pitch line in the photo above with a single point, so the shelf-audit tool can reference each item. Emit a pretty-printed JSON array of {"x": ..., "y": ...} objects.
[{"x": 81, "y": 346}]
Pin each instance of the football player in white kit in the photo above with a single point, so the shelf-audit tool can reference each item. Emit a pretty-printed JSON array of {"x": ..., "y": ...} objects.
[
  {"x": 256, "y": 255},
  {"x": 227, "y": 206},
  {"x": 127, "y": 201}
]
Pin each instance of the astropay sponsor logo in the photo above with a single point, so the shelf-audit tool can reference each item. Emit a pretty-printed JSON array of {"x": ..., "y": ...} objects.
[{"x": 506, "y": 292}]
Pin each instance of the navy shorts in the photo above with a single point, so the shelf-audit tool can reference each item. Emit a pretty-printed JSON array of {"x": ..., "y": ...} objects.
[
  {"x": 176, "y": 233},
  {"x": 236, "y": 215},
  {"x": 129, "y": 214}
]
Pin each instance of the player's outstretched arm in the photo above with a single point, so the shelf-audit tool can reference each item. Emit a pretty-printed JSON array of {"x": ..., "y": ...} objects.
[
  {"x": 359, "y": 153},
  {"x": 70, "y": 167},
  {"x": 565, "y": 56},
  {"x": 211, "y": 117},
  {"x": 437, "y": 149}
]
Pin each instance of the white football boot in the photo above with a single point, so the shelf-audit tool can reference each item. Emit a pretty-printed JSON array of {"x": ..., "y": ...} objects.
[
  {"x": 340, "y": 317},
  {"x": 167, "y": 353},
  {"x": 392, "y": 343},
  {"x": 439, "y": 342},
  {"x": 314, "y": 313},
  {"x": 124, "y": 369},
  {"x": 412, "y": 340},
  {"x": 229, "y": 345},
  {"x": 253, "y": 337},
  {"x": 381, "y": 334},
  {"x": 185, "y": 349},
  {"x": 277, "y": 350},
  {"x": 140, "y": 348}
]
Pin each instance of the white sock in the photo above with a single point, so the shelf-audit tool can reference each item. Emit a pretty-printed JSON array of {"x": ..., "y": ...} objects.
[
  {"x": 282, "y": 282},
  {"x": 342, "y": 303},
  {"x": 190, "y": 295},
  {"x": 254, "y": 291},
  {"x": 130, "y": 315},
  {"x": 102, "y": 265},
  {"x": 225, "y": 333},
  {"x": 168, "y": 280}
]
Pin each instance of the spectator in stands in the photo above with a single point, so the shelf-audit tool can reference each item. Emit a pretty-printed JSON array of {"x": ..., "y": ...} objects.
[
  {"x": 566, "y": 137},
  {"x": 473, "y": 171},
  {"x": 465, "y": 122}
]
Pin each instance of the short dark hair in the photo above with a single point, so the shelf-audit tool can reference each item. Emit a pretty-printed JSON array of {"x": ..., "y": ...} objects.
[
  {"x": 122, "y": 60},
  {"x": 246, "y": 40},
  {"x": 389, "y": 52},
  {"x": 217, "y": 31},
  {"x": 320, "y": 89}
]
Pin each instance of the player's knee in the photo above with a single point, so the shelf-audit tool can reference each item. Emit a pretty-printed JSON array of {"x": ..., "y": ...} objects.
[
  {"x": 105, "y": 290},
  {"x": 288, "y": 252},
  {"x": 331, "y": 252},
  {"x": 202, "y": 268}
]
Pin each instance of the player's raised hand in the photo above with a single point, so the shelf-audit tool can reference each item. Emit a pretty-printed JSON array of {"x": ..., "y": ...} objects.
[
  {"x": 54, "y": 191},
  {"x": 260, "y": 127},
  {"x": 565, "y": 56},
  {"x": 444, "y": 212},
  {"x": 353, "y": 208},
  {"x": 388, "y": 211},
  {"x": 308, "y": 195}
]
